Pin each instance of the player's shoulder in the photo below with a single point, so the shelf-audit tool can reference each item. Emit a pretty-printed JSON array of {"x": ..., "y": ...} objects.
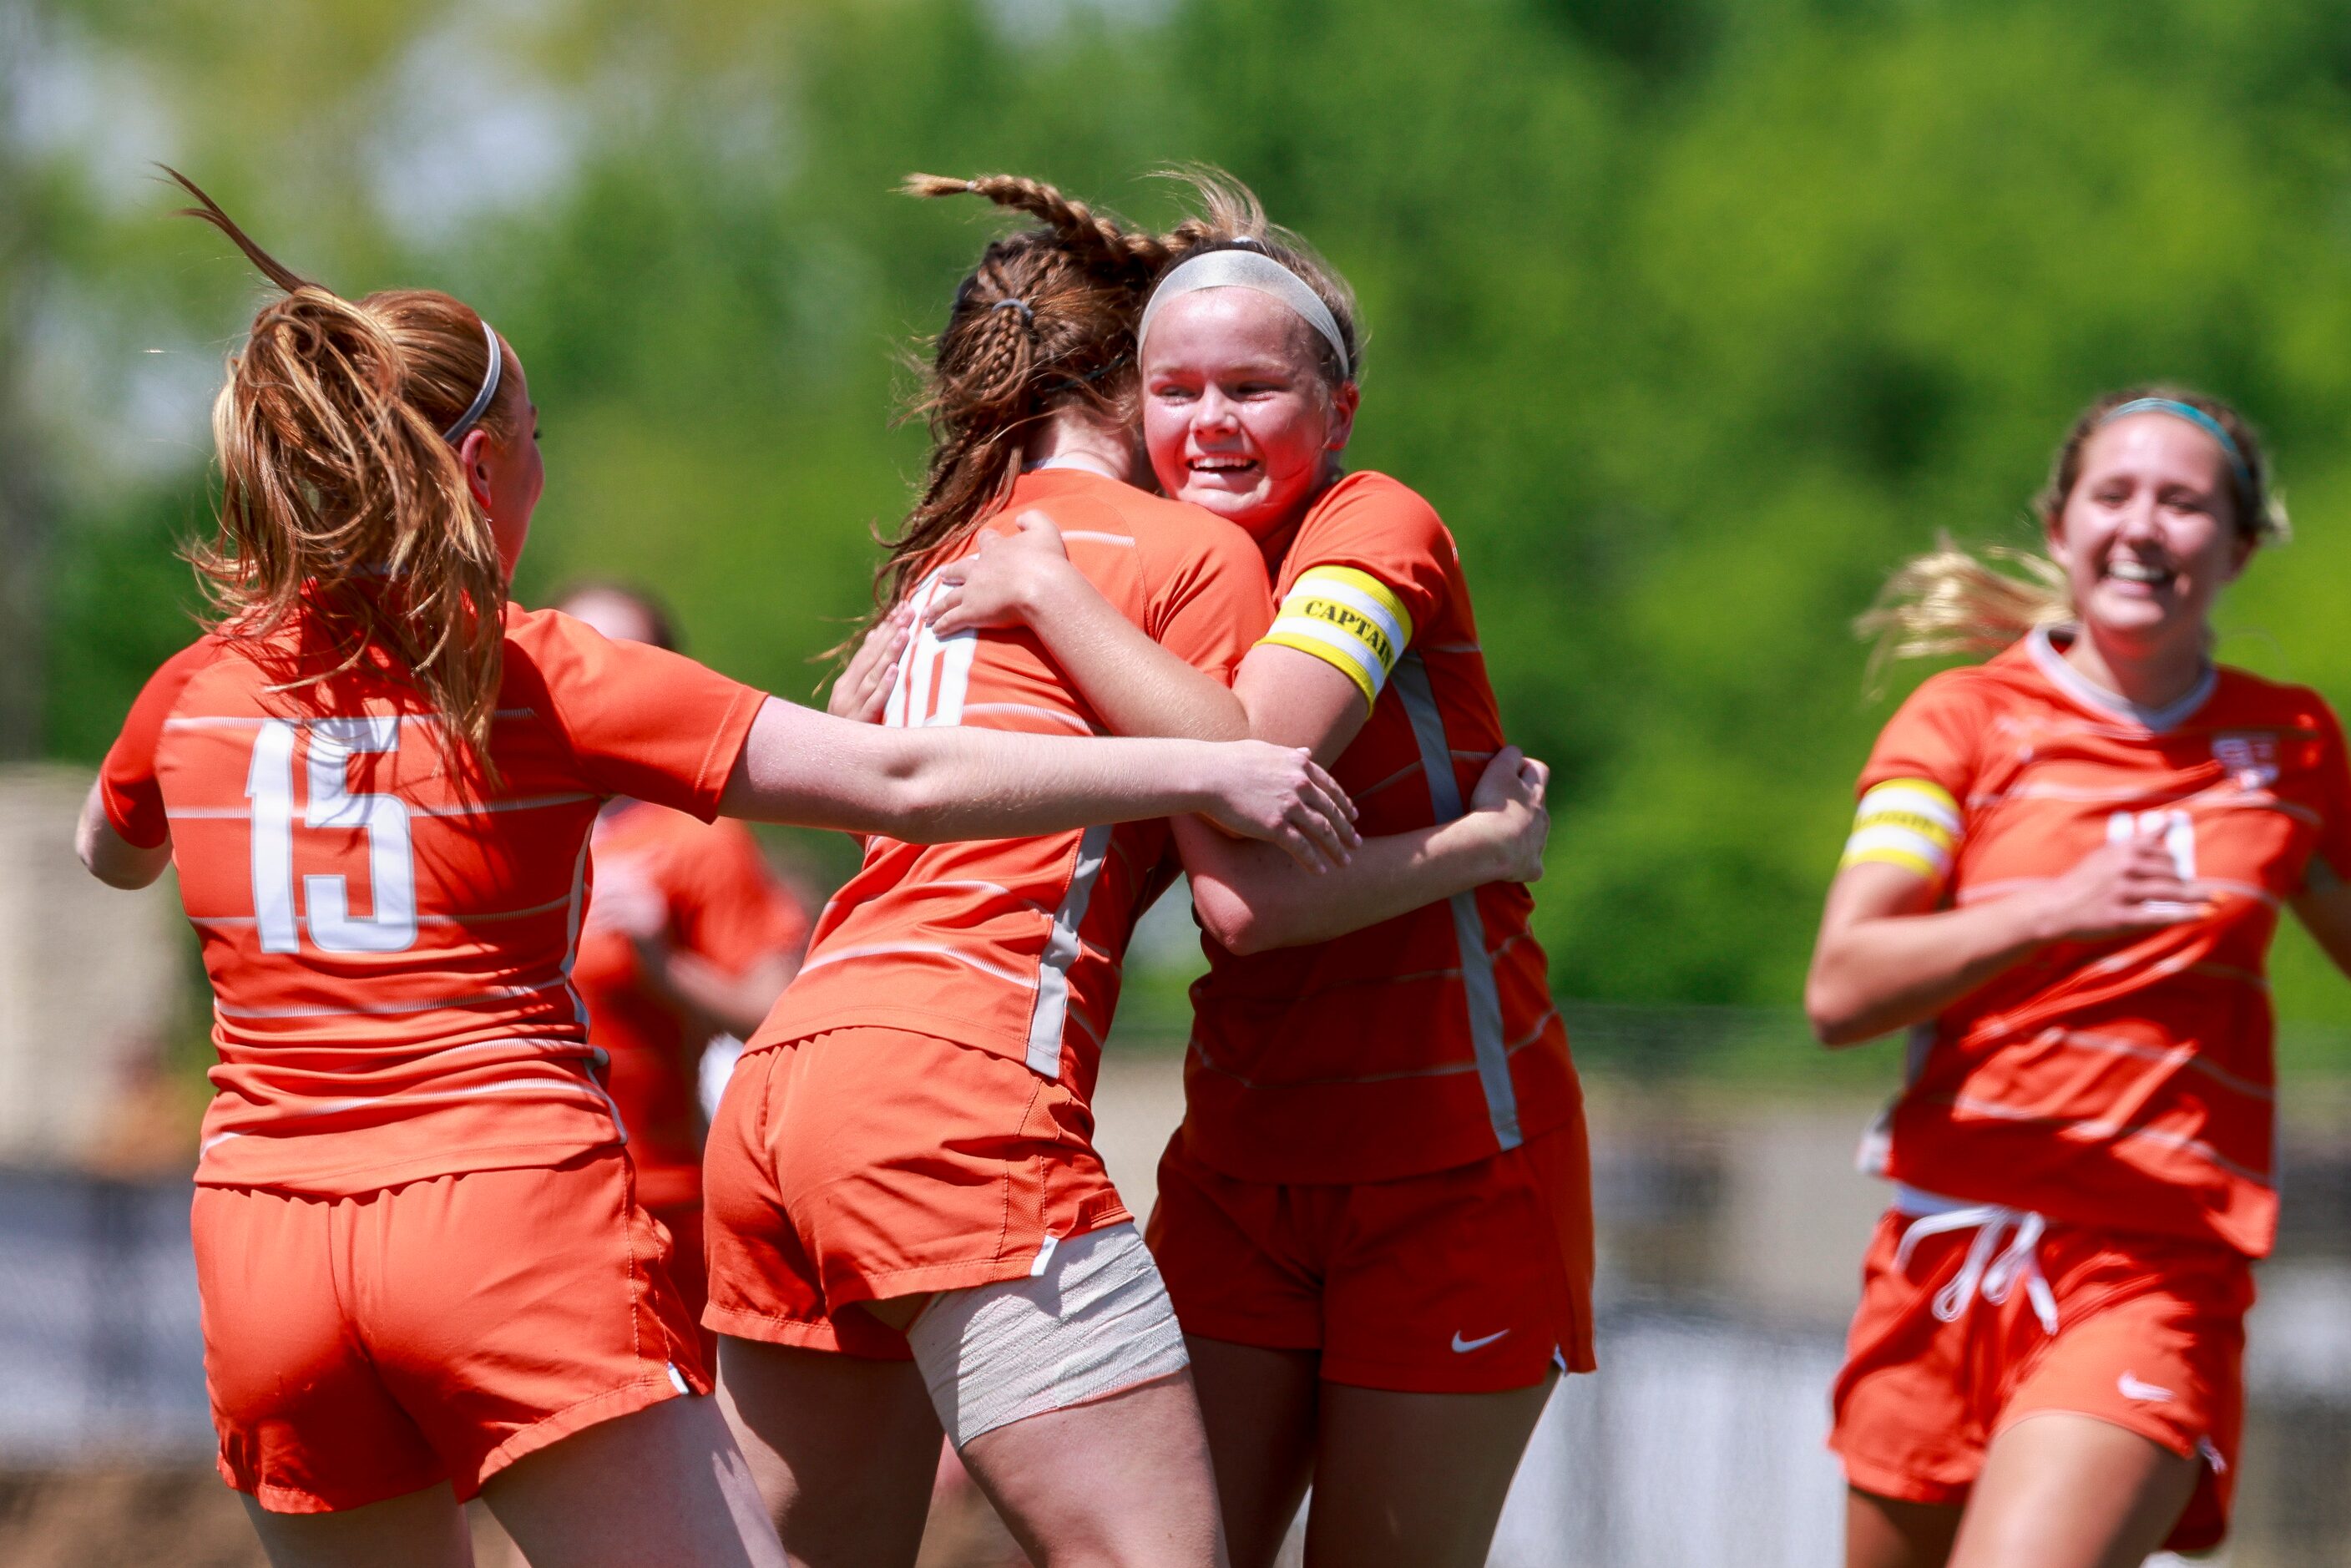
[
  {"x": 1370, "y": 496},
  {"x": 210, "y": 650},
  {"x": 535, "y": 632},
  {"x": 1965, "y": 700},
  {"x": 2241, "y": 699},
  {"x": 1374, "y": 518},
  {"x": 1178, "y": 530}
]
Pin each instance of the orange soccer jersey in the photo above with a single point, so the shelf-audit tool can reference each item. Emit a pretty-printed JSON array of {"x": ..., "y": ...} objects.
[
  {"x": 721, "y": 903},
  {"x": 390, "y": 942},
  {"x": 2125, "y": 1084},
  {"x": 1014, "y": 946},
  {"x": 1428, "y": 1041}
]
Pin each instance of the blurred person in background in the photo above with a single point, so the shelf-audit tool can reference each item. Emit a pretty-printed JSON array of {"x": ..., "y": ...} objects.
[
  {"x": 690, "y": 936},
  {"x": 903, "y": 1167},
  {"x": 423, "y": 1268},
  {"x": 2063, "y": 879},
  {"x": 1375, "y": 1221}
]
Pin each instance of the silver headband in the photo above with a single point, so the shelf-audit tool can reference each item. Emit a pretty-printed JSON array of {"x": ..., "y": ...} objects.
[
  {"x": 1248, "y": 269},
  {"x": 490, "y": 389}
]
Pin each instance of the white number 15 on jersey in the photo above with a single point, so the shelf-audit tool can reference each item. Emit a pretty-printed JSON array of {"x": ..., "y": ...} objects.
[{"x": 326, "y": 900}]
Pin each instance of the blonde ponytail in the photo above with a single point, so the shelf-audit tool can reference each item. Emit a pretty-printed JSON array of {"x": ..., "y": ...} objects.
[{"x": 1949, "y": 600}]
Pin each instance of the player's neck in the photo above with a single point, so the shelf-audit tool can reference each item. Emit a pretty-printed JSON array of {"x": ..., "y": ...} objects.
[
  {"x": 2148, "y": 677},
  {"x": 1070, "y": 440}
]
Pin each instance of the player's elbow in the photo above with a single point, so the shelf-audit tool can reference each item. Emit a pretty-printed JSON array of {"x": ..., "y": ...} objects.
[
  {"x": 120, "y": 865},
  {"x": 1233, "y": 923},
  {"x": 1835, "y": 1012}
]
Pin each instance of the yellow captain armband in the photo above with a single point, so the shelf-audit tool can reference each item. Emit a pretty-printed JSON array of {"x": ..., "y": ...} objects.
[
  {"x": 1348, "y": 618},
  {"x": 1907, "y": 823}
]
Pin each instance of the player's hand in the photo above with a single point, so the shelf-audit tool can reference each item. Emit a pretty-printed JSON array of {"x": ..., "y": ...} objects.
[
  {"x": 863, "y": 690},
  {"x": 1002, "y": 583},
  {"x": 2119, "y": 889},
  {"x": 1280, "y": 794},
  {"x": 1512, "y": 790},
  {"x": 624, "y": 900}
]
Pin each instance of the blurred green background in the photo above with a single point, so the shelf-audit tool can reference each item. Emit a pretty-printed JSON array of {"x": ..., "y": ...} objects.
[{"x": 1692, "y": 318}]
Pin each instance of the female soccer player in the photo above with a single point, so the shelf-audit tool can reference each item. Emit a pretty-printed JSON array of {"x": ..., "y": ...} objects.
[
  {"x": 1375, "y": 1221},
  {"x": 424, "y": 1271},
  {"x": 903, "y": 1168},
  {"x": 690, "y": 935},
  {"x": 2063, "y": 878}
]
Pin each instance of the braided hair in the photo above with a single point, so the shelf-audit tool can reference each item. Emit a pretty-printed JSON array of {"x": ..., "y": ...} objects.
[{"x": 1046, "y": 321}]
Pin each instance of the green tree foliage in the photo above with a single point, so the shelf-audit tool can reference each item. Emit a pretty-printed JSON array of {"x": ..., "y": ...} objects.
[{"x": 1692, "y": 318}]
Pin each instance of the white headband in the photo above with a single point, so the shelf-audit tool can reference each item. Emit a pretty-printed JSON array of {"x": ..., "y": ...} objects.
[
  {"x": 1248, "y": 269},
  {"x": 490, "y": 389}
]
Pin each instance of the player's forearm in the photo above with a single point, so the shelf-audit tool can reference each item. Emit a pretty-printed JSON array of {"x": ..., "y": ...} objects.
[
  {"x": 737, "y": 1004},
  {"x": 936, "y": 785},
  {"x": 979, "y": 784},
  {"x": 1137, "y": 686},
  {"x": 107, "y": 855},
  {"x": 1872, "y": 977},
  {"x": 1253, "y": 900}
]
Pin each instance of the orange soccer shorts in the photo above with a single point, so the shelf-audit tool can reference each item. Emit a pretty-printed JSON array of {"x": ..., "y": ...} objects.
[
  {"x": 863, "y": 1164},
  {"x": 359, "y": 1348},
  {"x": 1467, "y": 1280},
  {"x": 2150, "y": 1336}
]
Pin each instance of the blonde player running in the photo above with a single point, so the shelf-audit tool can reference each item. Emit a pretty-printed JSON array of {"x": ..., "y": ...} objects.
[{"x": 2068, "y": 867}]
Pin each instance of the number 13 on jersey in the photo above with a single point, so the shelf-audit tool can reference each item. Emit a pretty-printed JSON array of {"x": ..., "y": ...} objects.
[{"x": 326, "y": 899}]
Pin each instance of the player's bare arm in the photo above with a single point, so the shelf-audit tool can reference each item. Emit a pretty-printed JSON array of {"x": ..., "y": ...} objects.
[
  {"x": 1138, "y": 686},
  {"x": 109, "y": 856},
  {"x": 934, "y": 786},
  {"x": 1280, "y": 695},
  {"x": 2324, "y": 907},
  {"x": 1252, "y": 900},
  {"x": 1887, "y": 958}
]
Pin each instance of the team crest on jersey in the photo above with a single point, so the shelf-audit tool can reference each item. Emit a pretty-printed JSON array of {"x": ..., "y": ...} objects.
[{"x": 2250, "y": 760}]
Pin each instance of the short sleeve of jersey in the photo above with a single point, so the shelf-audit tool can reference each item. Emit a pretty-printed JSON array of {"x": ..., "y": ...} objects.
[
  {"x": 1913, "y": 788},
  {"x": 134, "y": 803},
  {"x": 1216, "y": 605},
  {"x": 1369, "y": 566},
  {"x": 731, "y": 909},
  {"x": 2335, "y": 784},
  {"x": 641, "y": 721}
]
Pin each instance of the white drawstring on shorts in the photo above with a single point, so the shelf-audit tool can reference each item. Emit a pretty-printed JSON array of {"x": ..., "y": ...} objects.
[{"x": 1988, "y": 1271}]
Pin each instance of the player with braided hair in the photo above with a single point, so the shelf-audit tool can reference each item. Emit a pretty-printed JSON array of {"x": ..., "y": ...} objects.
[
  {"x": 425, "y": 1266},
  {"x": 1375, "y": 1221},
  {"x": 910, "y": 1226}
]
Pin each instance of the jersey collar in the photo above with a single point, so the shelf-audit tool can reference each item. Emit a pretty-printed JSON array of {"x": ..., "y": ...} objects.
[{"x": 2042, "y": 648}]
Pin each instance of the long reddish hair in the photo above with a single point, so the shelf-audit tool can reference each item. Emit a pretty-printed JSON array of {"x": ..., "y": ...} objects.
[
  {"x": 341, "y": 503},
  {"x": 1045, "y": 322}
]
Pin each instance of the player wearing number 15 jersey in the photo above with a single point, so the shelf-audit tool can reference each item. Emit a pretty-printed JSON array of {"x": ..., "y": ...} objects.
[
  {"x": 425, "y": 1268},
  {"x": 2070, "y": 893}
]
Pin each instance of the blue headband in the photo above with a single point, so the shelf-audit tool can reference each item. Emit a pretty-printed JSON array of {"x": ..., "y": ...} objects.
[
  {"x": 2197, "y": 417},
  {"x": 456, "y": 432}
]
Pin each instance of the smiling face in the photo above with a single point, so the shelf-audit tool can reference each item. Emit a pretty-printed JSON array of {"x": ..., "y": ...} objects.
[
  {"x": 2149, "y": 535},
  {"x": 1236, "y": 417}
]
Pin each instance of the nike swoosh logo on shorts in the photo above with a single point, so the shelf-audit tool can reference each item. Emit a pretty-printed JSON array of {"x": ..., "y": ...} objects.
[
  {"x": 1464, "y": 1346},
  {"x": 2132, "y": 1389}
]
